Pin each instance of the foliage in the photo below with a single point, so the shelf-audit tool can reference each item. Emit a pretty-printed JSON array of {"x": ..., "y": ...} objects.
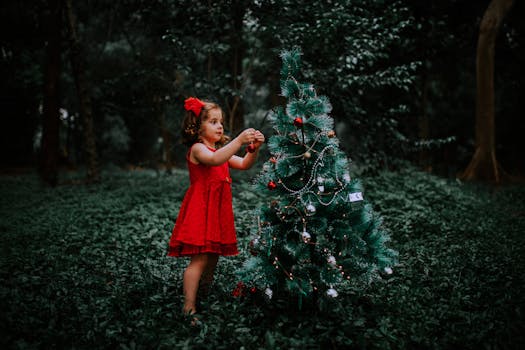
[
  {"x": 86, "y": 267},
  {"x": 143, "y": 58},
  {"x": 114, "y": 139},
  {"x": 350, "y": 50}
]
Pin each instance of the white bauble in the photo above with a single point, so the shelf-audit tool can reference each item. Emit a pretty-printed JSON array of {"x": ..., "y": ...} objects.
[
  {"x": 331, "y": 260},
  {"x": 306, "y": 236},
  {"x": 268, "y": 292},
  {"x": 310, "y": 209},
  {"x": 332, "y": 293}
]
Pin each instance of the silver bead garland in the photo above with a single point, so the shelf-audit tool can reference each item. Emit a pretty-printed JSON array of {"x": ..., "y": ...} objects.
[{"x": 309, "y": 184}]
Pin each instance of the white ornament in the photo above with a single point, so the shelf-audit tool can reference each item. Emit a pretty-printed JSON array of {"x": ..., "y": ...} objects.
[
  {"x": 332, "y": 293},
  {"x": 310, "y": 209},
  {"x": 306, "y": 237},
  {"x": 268, "y": 292},
  {"x": 331, "y": 260},
  {"x": 355, "y": 197},
  {"x": 346, "y": 177},
  {"x": 320, "y": 183},
  {"x": 388, "y": 270}
]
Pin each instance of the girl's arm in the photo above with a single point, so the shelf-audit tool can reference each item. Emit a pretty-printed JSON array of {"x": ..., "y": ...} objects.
[
  {"x": 249, "y": 159},
  {"x": 201, "y": 153}
]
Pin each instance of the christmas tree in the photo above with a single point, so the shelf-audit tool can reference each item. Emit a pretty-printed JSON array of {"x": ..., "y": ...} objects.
[{"x": 317, "y": 236}]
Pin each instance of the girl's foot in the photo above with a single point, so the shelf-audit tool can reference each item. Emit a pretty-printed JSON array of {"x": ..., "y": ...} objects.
[{"x": 191, "y": 314}]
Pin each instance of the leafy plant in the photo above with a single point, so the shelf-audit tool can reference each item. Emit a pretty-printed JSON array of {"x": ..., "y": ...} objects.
[{"x": 86, "y": 267}]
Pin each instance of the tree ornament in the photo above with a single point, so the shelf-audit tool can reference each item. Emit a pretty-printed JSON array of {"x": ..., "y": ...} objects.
[
  {"x": 307, "y": 155},
  {"x": 346, "y": 177},
  {"x": 268, "y": 292},
  {"x": 355, "y": 197},
  {"x": 298, "y": 122},
  {"x": 310, "y": 209},
  {"x": 272, "y": 185},
  {"x": 306, "y": 237},
  {"x": 250, "y": 148},
  {"x": 330, "y": 133},
  {"x": 388, "y": 270},
  {"x": 320, "y": 183},
  {"x": 331, "y": 292},
  {"x": 331, "y": 260},
  {"x": 273, "y": 160},
  {"x": 253, "y": 245},
  {"x": 239, "y": 290},
  {"x": 253, "y": 290}
]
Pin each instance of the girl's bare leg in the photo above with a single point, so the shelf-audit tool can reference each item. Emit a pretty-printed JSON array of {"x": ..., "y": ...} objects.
[
  {"x": 207, "y": 275},
  {"x": 191, "y": 278}
]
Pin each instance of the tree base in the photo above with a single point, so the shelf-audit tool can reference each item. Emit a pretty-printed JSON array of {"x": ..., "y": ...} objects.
[{"x": 484, "y": 167}]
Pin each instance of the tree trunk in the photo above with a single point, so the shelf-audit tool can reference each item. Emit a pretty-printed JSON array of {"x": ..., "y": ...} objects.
[
  {"x": 165, "y": 133},
  {"x": 484, "y": 165},
  {"x": 234, "y": 104},
  {"x": 84, "y": 98},
  {"x": 48, "y": 167},
  {"x": 166, "y": 141},
  {"x": 424, "y": 127}
]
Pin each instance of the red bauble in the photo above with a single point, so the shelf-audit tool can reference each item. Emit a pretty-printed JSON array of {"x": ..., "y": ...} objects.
[
  {"x": 239, "y": 291},
  {"x": 272, "y": 185},
  {"x": 250, "y": 148},
  {"x": 298, "y": 122},
  {"x": 273, "y": 160},
  {"x": 253, "y": 290}
]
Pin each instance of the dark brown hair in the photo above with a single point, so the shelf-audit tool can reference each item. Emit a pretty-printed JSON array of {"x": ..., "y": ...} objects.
[{"x": 191, "y": 125}]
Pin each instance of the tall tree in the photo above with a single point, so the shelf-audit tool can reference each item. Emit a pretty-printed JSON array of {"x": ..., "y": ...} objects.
[
  {"x": 48, "y": 167},
  {"x": 441, "y": 41},
  {"x": 164, "y": 133},
  {"x": 83, "y": 94},
  {"x": 234, "y": 103},
  {"x": 484, "y": 165}
]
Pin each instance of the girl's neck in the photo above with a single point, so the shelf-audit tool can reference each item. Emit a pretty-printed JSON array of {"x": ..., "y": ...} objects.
[{"x": 208, "y": 144}]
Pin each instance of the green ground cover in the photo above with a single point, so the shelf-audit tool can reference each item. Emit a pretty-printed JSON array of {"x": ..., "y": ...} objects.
[{"x": 86, "y": 267}]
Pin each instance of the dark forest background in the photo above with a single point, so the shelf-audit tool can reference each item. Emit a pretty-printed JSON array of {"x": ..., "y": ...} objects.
[
  {"x": 91, "y": 84},
  {"x": 425, "y": 95}
]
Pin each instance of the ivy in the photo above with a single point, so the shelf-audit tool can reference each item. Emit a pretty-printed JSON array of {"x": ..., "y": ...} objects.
[{"x": 86, "y": 267}]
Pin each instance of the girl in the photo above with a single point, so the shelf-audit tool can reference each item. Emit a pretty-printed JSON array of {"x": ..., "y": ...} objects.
[{"x": 204, "y": 229}]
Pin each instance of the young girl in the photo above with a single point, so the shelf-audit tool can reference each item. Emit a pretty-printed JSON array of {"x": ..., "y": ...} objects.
[{"x": 204, "y": 229}]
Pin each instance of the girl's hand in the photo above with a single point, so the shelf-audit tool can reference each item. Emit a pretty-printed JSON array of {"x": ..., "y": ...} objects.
[
  {"x": 256, "y": 138},
  {"x": 259, "y": 139},
  {"x": 247, "y": 135}
]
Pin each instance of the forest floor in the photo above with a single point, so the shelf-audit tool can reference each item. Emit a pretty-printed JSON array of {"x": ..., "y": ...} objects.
[{"x": 85, "y": 266}]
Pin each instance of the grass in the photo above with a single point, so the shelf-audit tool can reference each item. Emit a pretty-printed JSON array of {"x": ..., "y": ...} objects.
[{"x": 85, "y": 267}]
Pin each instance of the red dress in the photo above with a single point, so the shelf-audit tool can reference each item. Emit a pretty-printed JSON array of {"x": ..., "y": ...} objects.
[{"x": 205, "y": 223}]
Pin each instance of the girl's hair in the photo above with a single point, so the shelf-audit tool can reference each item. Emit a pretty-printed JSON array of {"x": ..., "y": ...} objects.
[{"x": 191, "y": 125}]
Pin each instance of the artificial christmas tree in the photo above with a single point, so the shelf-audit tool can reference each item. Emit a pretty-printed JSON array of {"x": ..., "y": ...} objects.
[{"x": 317, "y": 236}]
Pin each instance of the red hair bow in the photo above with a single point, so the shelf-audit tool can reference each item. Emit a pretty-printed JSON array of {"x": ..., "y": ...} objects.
[{"x": 193, "y": 104}]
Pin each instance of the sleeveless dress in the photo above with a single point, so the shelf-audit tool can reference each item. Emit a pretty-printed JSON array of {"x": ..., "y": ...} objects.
[{"x": 205, "y": 223}]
